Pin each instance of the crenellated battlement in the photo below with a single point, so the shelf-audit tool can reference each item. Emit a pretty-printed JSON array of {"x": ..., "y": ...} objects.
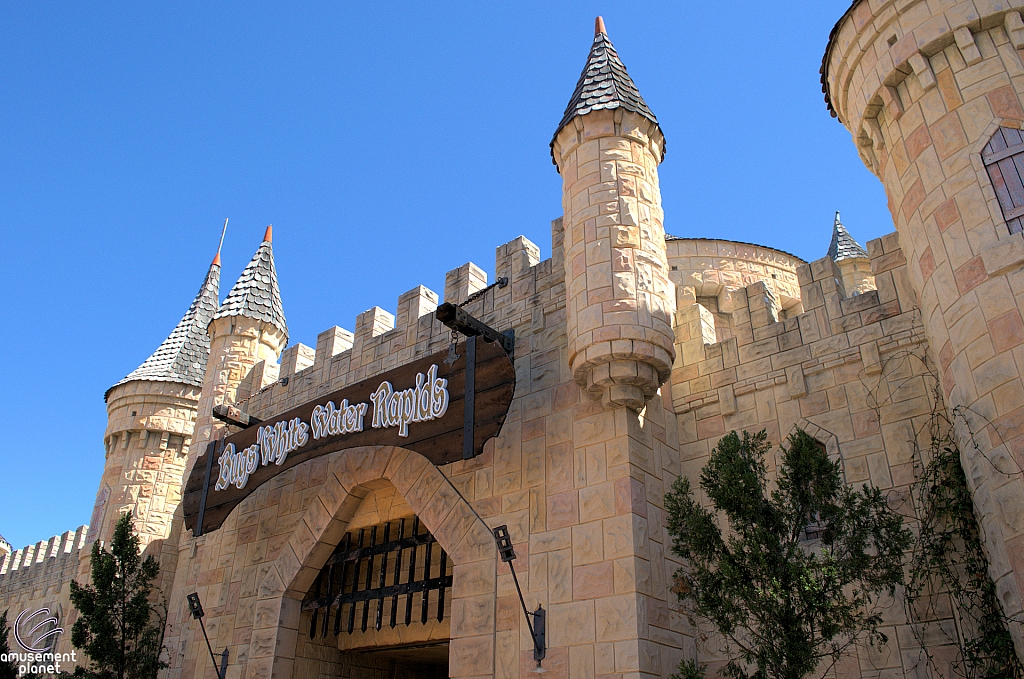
[
  {"x": 381, "y": 341},
  {"x": 44, "y": 563},
  {"x": 791, "y": 370}
]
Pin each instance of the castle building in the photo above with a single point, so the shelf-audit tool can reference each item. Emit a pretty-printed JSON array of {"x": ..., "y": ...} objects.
[{"x": 352, "y": 508}]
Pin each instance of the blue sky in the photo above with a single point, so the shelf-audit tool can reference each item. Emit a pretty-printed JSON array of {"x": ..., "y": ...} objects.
[{"x": 386, "y": 142}]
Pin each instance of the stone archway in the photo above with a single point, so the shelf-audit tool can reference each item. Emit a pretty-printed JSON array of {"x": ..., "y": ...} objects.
[{"x": 460, "y": 531}]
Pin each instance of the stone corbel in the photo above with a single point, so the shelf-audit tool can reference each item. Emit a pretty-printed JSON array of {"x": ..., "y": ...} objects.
[
  {"x": 891, "y": 100},
  {"x": 869, "y": 143},
  {"x": 1014, "y": 27},
  {"x": 875, "y": 133},
  {"x": 968, "y": 48},
  {"x": 923, "y": 71},
  {"x": 865, "y": 149}
]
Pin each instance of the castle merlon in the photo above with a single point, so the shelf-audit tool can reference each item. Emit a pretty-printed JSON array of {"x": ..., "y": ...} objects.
[
  {"x": 182, "y": 357},
  {"x": 42, "y": 554},
  {"x": 604, "y": 84},
  {"x": 343, "y": 357}
]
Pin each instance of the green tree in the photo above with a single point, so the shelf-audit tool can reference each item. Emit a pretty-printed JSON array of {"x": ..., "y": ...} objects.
[
  {"x": 783, "y": 603},
  {"x": 118, "y": 627},
  {"x": 8, "y": 670}
]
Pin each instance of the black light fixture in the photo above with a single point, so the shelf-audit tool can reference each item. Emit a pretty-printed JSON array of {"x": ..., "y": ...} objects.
[
  {"x": 504, "y": 540},
  {"x": 537, "y": 627},
  {"x": 195, "y": 607}
]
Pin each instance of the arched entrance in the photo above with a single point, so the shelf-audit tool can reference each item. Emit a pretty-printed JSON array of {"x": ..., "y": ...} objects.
[{"x": 355, "y": 474}]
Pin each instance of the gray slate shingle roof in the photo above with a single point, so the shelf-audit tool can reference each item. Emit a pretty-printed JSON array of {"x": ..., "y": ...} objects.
[
  {"x": 823, "y": 71},
  {"x": 843, "y": 246},
  {"x": 256, "y": 294},
  {"x": 183, "y": 355},
  {"x": 604, "y": 84}
]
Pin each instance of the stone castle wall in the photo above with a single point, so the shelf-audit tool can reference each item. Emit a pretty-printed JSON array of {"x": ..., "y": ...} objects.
[
  {"x": 580, "y": 486},
  {"x": 859, "y": 353},
  {"x": 37, "y": 577},
  {"x": 709, "y": 271},
  {"x": 923, "y": 87},
  {"x": 147, "y": 442},
  {"x": 583, "y": 502},
  {"x": 851, "y": 370}
]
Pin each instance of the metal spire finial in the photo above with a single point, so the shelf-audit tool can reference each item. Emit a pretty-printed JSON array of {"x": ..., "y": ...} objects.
[{"x": 216, "y": 258}]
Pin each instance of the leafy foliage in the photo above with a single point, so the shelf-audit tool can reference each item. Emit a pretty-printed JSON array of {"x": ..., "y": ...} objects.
[
  {"x": 949, "y": 560},
  {"x": 783, "y": 603},
  {"x": 8, "y": 670},
  {"x": 118, "y": 628}
]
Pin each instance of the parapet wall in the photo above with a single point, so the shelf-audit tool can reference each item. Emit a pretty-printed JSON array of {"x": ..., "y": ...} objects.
[
  {"x": 43, "y": 565},
  {"x": 381, "y": 341},
  {"x": 854, "y": 371},
  {"x": 709, "y": 271},
  {"x": 37, "y": 577},
  {"x": 532, "y": 302}
]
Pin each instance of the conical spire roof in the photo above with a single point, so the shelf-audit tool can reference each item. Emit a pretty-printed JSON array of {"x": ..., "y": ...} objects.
[
  {"x": 604, "y": 84},
  {"x": 843, "y": 246},
  {"x": 256, "y": 294},
  {"x": 182, "y": 356}
]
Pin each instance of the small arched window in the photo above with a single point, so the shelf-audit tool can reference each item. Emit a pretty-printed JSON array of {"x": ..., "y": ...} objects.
[{"x": 1004, "y": 160}]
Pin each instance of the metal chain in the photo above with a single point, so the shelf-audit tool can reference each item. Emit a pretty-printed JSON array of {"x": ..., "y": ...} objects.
[{"x": 453, "y": 349}]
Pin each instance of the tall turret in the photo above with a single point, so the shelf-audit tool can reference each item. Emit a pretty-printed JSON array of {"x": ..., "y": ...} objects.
[
  {"x": 150, "y": 418},
  {"x": 852, "y": 260},
  {"x": 620, "y": 302},
  {"x": 932, "y": 94},
  {"x": 249, "y": 327}
]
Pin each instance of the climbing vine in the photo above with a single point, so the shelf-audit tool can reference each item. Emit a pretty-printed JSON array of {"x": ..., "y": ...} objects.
[{"x": 948, "y": 567}]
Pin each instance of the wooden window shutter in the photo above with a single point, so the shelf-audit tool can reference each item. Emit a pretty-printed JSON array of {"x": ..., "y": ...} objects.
[{"x": 1004, "y": 160}]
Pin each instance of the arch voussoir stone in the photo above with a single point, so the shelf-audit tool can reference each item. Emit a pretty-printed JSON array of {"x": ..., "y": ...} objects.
[{"x": 352, "y": 474}]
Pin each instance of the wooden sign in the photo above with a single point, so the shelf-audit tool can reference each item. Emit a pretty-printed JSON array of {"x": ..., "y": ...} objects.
[{"x": 424, "y": 406}]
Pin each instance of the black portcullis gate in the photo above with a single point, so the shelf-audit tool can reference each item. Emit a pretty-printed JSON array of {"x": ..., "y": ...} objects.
[{"x": 364, "y": 577}]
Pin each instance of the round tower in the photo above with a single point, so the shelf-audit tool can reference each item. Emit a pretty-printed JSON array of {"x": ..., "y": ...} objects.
[
  {"x": 931, "y": 93},
  {"x": 248, "y": 328},
  {"x": 619, "y": 299},
  {"x": 150, "y": 418}
]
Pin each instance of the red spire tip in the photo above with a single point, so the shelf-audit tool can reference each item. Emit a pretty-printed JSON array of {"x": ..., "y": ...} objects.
[
  {"x": 268, "y": 237},
  {"x": 216, "y": 259},
  {"x": 599, "y": 27}
]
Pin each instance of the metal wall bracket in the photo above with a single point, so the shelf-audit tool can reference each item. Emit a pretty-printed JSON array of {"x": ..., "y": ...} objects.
[
  {"x": 538, "y": 626},
  {"x": 213, "y": 449},
  {"x": 461, "y": 322},
  {"x": 234, "y": 416}
]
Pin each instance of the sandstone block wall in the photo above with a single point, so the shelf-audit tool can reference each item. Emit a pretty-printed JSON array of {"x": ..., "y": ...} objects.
[
  {"x": 37, "y": 576},
  {"x": 853, "y": 371},
  {"x": 922, "y": 87},
  {"x": 619, "y": 298},
  {"x": 708, "y": 271},
  {"x": 147, "y": 442},
  {"x": 580, "y": 486}
]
